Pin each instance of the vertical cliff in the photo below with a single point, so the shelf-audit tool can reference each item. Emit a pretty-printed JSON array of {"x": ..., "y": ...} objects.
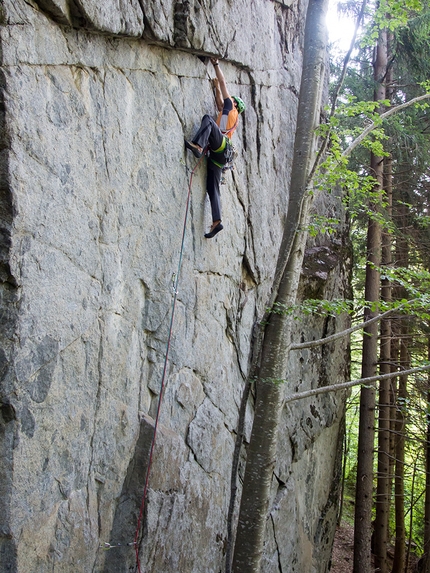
[{"x": 97, "y": 98}]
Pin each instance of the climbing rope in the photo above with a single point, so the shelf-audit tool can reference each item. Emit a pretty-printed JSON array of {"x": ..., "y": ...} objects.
[{"x": 163, "y": 378}]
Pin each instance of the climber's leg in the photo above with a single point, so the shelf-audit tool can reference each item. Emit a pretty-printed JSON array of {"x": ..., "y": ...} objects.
[
  {"x": 213, "y": 189},
  {"x": 209, "y": 134}
]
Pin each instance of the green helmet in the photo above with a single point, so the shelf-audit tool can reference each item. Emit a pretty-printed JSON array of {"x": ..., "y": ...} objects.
[{"x": 240, "y": 104}]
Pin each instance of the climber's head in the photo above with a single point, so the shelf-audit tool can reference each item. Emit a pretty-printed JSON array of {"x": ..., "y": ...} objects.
[{"x": 240, "y": 104}]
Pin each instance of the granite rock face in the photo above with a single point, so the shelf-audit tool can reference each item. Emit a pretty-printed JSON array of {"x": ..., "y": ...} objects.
[{"x": 97, "y": 98}]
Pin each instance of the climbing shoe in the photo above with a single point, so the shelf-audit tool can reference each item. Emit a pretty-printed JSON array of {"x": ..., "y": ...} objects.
[
  {"x": 194, "y": 148},
  {"x": 214, "y": 231}
]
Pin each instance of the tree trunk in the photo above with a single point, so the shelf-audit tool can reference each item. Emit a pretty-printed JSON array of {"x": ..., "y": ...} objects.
[
  {"x": 426, "y": 555},
  {"x": 404, "y": 361},
  {"x": 276, "y": 339},
  {"x": 363, "y": 497},
  {"x": 399, "y": 487},
  {"x": 382, "y": 502},
  {"x": 411, "y": 516}
]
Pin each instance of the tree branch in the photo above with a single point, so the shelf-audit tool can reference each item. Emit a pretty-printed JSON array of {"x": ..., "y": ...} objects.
[
  {"x": 383, "y": 116},
  {"x": 321, "y": 341},
  {"x": 344, "y": 385}
]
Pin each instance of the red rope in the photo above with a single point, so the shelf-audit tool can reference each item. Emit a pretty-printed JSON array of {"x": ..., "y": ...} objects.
[{"x": 163, "y": 378}]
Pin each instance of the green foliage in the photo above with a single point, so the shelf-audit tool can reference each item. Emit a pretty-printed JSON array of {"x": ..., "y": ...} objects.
[
  {"x": 314, "y": 307},
  {"x": 418, "y": 307},
  {"x": 391, "y": 15},
  {"x": 415, "y": 281},
  {"x": 414, "y": 46},
  {"x": 320, "y": 224},
  {"x": 350, "y": 106},
  {"x": 405, "y": 139},
  {"x": 426, "y": 86},
  {"x": 351, "y": 440},
  {"x": 423, "y": 221},
  {"x": 362, "y": 194}
]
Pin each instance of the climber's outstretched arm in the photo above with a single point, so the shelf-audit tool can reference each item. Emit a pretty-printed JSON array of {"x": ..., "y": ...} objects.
[{"x": 221, "y": 92}]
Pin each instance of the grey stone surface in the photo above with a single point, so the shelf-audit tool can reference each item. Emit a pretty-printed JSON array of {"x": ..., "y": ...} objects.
[{"x": 98, "y": 97}]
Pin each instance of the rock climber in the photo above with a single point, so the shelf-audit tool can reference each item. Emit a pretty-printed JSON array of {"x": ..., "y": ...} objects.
[{"x": 216, "y": 136}]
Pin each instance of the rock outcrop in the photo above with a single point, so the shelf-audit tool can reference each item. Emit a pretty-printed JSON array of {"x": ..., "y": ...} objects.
[{"x": 97, "y": 98}]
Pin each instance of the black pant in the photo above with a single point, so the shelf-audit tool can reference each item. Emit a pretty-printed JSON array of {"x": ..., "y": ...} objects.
[{"x": 209, "y": 134}]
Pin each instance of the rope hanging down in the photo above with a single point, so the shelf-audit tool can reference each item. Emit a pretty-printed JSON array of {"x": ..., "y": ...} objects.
[{"x": 163, "y": 378}]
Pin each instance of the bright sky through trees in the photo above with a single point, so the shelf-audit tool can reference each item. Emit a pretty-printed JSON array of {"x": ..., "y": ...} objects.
[{"x": 340, "y": 27}]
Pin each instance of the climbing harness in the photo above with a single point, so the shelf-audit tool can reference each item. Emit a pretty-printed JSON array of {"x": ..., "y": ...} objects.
[
  {"x": 230, "y": 156},
  {"x": 226, "y": 154},
  {"x": 175, "y": 282}
]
